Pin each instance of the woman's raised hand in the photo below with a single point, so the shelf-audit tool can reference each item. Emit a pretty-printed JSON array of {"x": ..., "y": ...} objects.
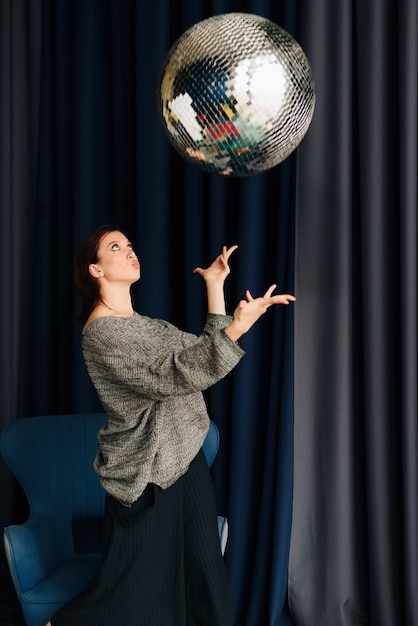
[
  {"x": 262, "y": 303},
  {"x": 219, "y": 269},
  {"x": 249, "y": 310}
]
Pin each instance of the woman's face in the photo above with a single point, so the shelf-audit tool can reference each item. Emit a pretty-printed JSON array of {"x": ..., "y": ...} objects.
[{"x": 116, "y": 259}]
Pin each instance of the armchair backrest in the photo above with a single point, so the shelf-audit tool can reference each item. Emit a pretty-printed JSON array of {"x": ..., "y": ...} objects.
[
  {"x": 211, "y": 443},
  {"x": 52, "y": 456}
]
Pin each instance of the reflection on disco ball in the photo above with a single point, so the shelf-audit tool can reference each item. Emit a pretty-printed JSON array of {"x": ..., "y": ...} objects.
[{"x": 236, "y": 94}]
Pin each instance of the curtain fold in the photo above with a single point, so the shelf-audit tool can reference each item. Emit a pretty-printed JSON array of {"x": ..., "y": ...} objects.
[
  {"x": 20, "y": 42},
  {"x": 353, "y": 557}
]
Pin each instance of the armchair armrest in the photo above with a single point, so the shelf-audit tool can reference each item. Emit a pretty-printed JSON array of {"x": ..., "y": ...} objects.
[{"x": 34, "y": 549}]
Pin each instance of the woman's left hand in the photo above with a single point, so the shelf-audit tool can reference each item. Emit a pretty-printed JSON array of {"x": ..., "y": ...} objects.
[{"x": 219, "y": 269}]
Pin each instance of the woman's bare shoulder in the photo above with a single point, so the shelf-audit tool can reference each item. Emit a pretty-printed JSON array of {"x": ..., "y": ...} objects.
[{"x": 98, "y": 311}]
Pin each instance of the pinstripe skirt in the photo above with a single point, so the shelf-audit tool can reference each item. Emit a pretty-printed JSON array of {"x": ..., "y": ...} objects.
[{"x": 162, "y": 563}]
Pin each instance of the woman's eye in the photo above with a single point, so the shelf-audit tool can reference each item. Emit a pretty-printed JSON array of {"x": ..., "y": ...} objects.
[
  {"x": 115, "y": 246},
  {"x": 130, "y": 246}
]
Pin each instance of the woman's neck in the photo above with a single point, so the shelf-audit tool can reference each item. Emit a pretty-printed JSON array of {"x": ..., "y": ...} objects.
[
  {"x": 118, "y": 302},
  {"x": 117, "y": 308}
]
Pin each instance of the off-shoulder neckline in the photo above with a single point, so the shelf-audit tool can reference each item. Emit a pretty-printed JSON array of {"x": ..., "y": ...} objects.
[{"x": 112, "y": 317}]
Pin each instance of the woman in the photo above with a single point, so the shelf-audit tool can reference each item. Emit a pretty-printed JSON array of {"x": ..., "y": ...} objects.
[{"x": 162, "y": 564}]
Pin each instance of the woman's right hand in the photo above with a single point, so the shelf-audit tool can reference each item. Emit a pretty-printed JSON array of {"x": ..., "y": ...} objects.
[
  {"x": 249, "y": 310},
  {"x": 219, "y": 269}
]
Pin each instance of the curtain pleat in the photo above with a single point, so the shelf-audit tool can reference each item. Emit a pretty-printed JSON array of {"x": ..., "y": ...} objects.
[
  {"x": 20, "y": 39},
  {"x": 354, "y": 557}
]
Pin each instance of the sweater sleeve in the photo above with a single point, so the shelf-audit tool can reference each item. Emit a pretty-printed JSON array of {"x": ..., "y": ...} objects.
[
  {"x": 155, "y": 359},
  {"x": 214, "y": 322}
]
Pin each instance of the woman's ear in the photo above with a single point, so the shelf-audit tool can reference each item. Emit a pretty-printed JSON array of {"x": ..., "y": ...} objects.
[{"x": 95, "y": 270}]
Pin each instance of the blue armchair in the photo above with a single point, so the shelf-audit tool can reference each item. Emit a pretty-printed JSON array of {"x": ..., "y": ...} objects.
[{"x": 54, "y": 553}]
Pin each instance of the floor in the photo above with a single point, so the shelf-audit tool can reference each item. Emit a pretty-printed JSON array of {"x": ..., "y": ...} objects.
[{"x": 10, "y": 613}]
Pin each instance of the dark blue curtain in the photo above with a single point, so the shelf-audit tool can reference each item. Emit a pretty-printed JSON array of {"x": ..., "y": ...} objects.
[
  {"x": 102, "y": 157},
  {"x": 20, "y": 33}
]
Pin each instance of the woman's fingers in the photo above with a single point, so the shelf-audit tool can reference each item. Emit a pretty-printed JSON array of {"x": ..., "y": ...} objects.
[
  {"x": 268, "y": 299},
  {"x": 283, "y": 298},
  {"x": 226, "y": 252},
  {"x": 270, "y": 291}
]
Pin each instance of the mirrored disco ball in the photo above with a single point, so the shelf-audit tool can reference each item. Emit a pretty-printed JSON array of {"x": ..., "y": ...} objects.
[{"x": 236, "y": 94}]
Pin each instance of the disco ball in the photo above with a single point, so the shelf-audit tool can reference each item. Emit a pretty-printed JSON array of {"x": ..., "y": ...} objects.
[{"x": 236, "y": 94}]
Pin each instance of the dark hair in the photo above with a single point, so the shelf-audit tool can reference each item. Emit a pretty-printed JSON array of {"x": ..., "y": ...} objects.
[{"x": 87, "y": 287}]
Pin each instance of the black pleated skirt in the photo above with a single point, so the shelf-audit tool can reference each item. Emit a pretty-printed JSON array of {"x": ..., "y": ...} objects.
[{"x": 162, "y": 563}]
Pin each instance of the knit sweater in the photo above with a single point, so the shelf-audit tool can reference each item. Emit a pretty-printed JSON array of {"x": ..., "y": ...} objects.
[{"x": 149, "y": 376}]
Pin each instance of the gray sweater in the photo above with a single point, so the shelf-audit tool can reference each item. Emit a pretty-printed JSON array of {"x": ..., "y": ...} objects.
[{"x": 149, "y": 376}]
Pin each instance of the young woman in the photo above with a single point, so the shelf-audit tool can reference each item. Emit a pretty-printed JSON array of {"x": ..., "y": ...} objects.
[{"x": 162, "y": 564}]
